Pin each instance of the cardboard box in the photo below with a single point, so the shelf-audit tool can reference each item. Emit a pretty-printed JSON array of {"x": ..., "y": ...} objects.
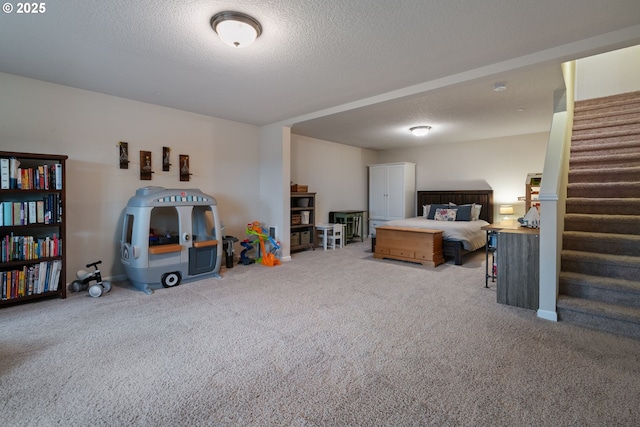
[{"x": 298, "y": 188}]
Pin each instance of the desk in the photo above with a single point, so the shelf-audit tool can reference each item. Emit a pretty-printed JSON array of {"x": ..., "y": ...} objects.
[
  {"x": 353, "y": 221},
  {"x": 516, "y": 263}
]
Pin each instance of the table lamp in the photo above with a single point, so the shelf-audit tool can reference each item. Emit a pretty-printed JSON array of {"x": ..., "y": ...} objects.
[{"x": 506, "y": 210}]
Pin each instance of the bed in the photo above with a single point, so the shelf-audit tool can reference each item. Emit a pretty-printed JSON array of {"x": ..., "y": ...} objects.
[{"x": 459, "y": 237}]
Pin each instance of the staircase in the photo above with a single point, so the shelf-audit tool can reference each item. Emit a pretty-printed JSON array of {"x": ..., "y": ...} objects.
[{"x": 600, "y": 272}]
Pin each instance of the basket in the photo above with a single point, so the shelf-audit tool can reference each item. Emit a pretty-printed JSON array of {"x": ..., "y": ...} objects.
[
  {"x": 296, "y": 219},
  {"x": 295, "y": 239},
  {"x": 297, "y": 188},
  {"x": 305, "y": 237}
]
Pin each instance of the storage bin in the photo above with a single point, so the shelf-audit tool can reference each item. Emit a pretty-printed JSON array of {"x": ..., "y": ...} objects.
[
  {"x": 297, "y": 188},
  {"x": 305, "y": 237},
  {"x": 295, "y": 239},
  {"x": 296, "y": 219},
  {"x": 303, "y": 202}
]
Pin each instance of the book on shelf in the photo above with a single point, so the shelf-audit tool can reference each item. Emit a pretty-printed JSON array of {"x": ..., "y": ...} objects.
[{"x": 4, "y": 173}]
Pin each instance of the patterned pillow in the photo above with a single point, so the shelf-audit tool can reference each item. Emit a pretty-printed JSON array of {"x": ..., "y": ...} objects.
[{"x": 445, "y": 214}]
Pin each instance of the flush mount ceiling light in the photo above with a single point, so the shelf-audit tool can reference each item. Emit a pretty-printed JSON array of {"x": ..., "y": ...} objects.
[
  {"x": 499, "y": 87},
  {"x": 235, "y": 28},
  {"x": 420, "y": 130}
]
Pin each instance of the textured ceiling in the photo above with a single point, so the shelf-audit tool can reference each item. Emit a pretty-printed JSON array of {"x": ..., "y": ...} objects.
[{"x": 318, "y": 58}]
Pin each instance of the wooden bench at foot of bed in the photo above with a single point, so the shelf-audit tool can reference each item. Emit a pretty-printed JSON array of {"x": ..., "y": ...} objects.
[{"x": 409, "y": 244}]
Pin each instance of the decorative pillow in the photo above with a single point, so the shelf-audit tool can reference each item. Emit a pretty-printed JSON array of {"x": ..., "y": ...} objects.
[
  {"x": 464, "y": 213},
  {"x": 475, "y": 211},
  {"x": 445, "y": 214},
  {"x": 433, "y": 209},
  {"x": 425, "y": 210},
  {"x": 475, "y": 215}
]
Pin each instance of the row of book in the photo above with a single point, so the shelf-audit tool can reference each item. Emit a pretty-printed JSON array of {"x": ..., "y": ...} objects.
[
  {"x": 41, "y": 177},
  {"x": 45, "y": 211},
  {"x": 31, "y": 280},
  {"x": 25, "y": 248}
]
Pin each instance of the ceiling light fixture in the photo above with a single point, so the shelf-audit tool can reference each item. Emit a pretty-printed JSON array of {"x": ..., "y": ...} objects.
[
  {"x": 420, "y": 130},
  {"x": 235, "y": 28},
  {"x": 499, "y": 87}
]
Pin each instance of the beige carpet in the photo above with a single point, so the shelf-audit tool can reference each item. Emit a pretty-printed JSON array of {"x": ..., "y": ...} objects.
[{"x": 329, "y": 339}]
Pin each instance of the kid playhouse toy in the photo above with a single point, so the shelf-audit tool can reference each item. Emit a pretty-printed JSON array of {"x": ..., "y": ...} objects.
[
  {"x": 268, "y": 258},
  {"x": 170, "y": 236},
  {"x": 86, "y": 277}
]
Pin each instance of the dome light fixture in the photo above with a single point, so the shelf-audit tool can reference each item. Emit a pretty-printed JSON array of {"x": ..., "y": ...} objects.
[
  {"x": 236, "y": 28},
  {"x": 420, "y": 130}
]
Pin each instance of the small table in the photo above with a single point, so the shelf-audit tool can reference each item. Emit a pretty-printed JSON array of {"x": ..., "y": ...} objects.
[
  {"x": 353, "y": 222},
  {"x": 324, "y": 228}
]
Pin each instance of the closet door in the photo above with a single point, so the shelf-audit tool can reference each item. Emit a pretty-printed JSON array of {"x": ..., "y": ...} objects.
[
  {"x": 378, "y": 192},
  {"x": 396, "y": 192}
]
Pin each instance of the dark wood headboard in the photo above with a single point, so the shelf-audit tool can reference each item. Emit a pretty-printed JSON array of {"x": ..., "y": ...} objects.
[{"x": 459, "y": 197}]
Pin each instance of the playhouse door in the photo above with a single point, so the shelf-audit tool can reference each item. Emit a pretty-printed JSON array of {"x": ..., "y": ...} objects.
[{"x": 203, "y": 252}]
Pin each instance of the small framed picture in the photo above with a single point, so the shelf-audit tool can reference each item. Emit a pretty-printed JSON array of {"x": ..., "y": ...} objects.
[
  {"x": 166, "y": 159},
  {"x": 124, "y": 155},
  {"x": 184, "y": 167},
  {"x": 146, "y": 168}
]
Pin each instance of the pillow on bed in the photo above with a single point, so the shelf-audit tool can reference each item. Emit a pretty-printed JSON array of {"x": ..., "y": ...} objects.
[
  {"x": 447, "y": 214},
  {"x": 425, "y": 210},
  {"x": 475, "y": 211},
  {"x": 432, "y": 210},
  {"x": 465, "y": 213}
]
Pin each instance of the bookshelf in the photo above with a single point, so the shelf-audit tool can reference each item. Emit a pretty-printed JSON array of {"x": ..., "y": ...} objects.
[
  {"x": 303, "y": 220},
  {"x": 32, "y": 227}
]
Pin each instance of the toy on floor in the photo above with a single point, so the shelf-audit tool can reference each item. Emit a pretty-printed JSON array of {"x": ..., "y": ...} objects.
[
  {"x": 86, "y": 277},
  {"x": 244, "y": 258},
  {"x": 268, "y": 258}
]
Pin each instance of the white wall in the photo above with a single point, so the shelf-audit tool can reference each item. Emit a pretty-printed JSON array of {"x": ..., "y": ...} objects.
[
  {"x": 41, "y": 117},
  {"x": 608, "y": 74},
  {"x": 336, "y": 172},
  {"x": 500, "y": 164}
]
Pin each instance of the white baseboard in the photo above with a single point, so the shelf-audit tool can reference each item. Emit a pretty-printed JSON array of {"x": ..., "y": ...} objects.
[{"x": 548, "y": 315}]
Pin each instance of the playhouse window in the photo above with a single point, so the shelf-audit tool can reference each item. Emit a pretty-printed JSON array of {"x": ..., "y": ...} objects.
[
  {"x": 165, "y": 224},
  {"x": 128, "y": 228},
  {"x": 203, "y": 223}
]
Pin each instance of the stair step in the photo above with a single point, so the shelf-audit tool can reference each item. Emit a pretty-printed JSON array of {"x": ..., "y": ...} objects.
[
  {"x": 633, "y": 132},
  {"x": 603, "y": 223},
  {"x": 603, "y": 265},
  {"x": 624, "y": 112},
  {"x": 603, "y": 206},
  {"x": 603, "y": 189},
  {"x": 606, "y": 147},
  {"x": 601, "y": 316},
  {"x": 601, "y": 175},
  {"x": 603, "y": 289},
  {"x": 610, "y": 160},
  {"x": 597, "y": 141},
  {"x": 607, "y": 102},
  {"x": 602, "y": 243},
  {"x": 604, "y": 124}
]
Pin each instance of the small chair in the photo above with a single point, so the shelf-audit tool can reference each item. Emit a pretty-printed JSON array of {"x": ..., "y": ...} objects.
[{"x": 332, "y": 234}]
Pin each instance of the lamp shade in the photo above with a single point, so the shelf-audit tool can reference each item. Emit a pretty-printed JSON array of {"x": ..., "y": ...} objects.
[
  {"x": 236, "y": 29},
  {"x": 506, "y": 209}
]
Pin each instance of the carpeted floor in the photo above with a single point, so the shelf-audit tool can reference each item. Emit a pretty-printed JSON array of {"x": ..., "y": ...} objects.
[{"x": 329, "y": 339}]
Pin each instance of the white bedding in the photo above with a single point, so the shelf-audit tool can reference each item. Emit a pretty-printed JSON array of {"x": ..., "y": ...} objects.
[{"x": 467, "y": 232}]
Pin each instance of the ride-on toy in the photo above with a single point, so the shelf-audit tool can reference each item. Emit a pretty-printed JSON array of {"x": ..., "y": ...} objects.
[{"x": 86, "y": 277}]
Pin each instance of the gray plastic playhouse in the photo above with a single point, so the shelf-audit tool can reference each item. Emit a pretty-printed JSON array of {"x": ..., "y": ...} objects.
[{"x": 170, "y": 236}]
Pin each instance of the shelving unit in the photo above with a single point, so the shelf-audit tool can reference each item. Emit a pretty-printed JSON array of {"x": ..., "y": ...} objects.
[
  {"x": 303, "y": 233},
  {"x": 32, "y": 195},
  {"x": 532, "y": 191}
]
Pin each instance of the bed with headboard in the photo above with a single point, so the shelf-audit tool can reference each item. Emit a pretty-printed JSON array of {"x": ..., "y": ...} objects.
[{"x": 461, "y": 236}]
